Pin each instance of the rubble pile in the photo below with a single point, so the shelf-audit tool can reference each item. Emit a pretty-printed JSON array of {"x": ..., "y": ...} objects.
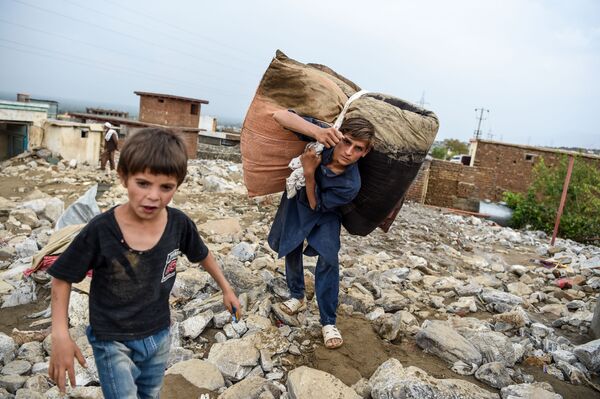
[{"x": 487, "y": 301}]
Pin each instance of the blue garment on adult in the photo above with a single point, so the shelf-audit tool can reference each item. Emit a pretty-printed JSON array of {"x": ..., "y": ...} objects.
[{"x": 295, "y": 221}]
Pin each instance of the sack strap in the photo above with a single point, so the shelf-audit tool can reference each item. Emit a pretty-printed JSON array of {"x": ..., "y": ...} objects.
[{"x": 340, "y": 118}]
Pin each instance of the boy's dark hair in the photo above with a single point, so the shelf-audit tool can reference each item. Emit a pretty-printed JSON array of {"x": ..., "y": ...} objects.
[
  {"x": 358, "y": 128},
  {"x": 160, "y": 151}
]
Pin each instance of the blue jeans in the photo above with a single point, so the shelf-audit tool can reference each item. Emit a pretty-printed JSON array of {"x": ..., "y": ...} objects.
[
  {"x": 131, "y": 369},
  {"x": 327, "y": 283}
]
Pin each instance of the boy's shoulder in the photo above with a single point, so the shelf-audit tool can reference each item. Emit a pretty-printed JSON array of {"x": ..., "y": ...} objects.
[{"x": 177, "y": 214}]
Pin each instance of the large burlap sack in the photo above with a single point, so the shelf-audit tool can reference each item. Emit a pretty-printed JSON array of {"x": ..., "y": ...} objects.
[{"x": 403, "y": 134}]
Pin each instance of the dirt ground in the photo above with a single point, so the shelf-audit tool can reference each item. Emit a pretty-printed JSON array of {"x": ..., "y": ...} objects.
[{"x": 17, "y": 316}]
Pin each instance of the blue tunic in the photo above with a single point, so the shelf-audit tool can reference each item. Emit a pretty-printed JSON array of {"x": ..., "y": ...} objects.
[{"x": 296, "y": 221}]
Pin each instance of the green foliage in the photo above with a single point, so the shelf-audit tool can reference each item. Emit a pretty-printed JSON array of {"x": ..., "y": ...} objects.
[
  {"x": 538, "y": 206},
  {"x": 439, "y": 152},
  {"x": 449, "y": 148},
  {"x": 456, "y": 147}
]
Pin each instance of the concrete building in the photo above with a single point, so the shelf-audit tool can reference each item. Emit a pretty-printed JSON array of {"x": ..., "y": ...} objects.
[
  {"x": 73, "y": 140},
  {"x": 20, "y": 123},
  {"x": 495, "y": 168}
]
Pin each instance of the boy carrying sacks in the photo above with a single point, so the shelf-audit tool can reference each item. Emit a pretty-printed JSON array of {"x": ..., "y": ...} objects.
[
  {"x": 332, "y": 179},
  {"x": 132, "y": 249}
]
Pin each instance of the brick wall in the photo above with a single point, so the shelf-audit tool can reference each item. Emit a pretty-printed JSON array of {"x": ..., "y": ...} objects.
[
  {"x": 191, "y": 143},
  {"x": 512, "y": 166},
  {"x": 169, "y": 111},
  {"x": 497, "y": 168},
  {"x": 418, "y": 189}
]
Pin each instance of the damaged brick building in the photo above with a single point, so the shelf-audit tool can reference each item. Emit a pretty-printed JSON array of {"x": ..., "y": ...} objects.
[{"x": 495, "y": 168}]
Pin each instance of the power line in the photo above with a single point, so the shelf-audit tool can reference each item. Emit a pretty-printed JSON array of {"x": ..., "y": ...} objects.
[
  {"x": 148, "y": 42},
  {"x": 167, "y": 23},
  {"x": 108, "y": 67},
  {"x": 114, "y": 50},
  {"x": 145, "y": 27}
]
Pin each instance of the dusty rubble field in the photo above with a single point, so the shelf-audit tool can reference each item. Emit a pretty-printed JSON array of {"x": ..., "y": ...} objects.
[{"x": 442, "y": 306}]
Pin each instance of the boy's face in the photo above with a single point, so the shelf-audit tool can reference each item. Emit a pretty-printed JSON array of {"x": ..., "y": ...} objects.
[
  {"x": 349, "y": 150},
  {"x": 148, "y": 193}
]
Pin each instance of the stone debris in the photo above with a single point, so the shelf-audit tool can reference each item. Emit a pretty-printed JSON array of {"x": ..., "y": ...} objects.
[
  {"x": 199, "y": 373},
  {"x": 481, "y": 298},
  {"x": 305, "y": 382}
]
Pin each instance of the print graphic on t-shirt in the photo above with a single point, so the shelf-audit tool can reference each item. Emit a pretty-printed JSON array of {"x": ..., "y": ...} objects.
[{"x": 170, "y": 265}]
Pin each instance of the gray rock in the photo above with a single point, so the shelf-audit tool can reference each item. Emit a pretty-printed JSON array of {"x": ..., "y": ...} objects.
[
  {"x": 189, "y": 283},
  {"x": 393, "y": 325},
  {"x": 199, "y": 373},
  {"x": 392, "y": 380},
  {"x": 23, "y": 293},
  {"x": 16, "y": 367},
  {"x": 255, "y": 322},
  {"x": 537, "y": 390},
  {"x": 492, "y": 296},
  {"x": 494, "y": 347},
  {"x": 440, "y": 339},
  {"x": 26, "y": 216},
  {"x": 31, "y": 351},
  {"x": 27, "y": 247},
  {"x": 242, "y": 278},
  {"x": 518, "y": 270},
  {"x": 12, "y": 382},
  {"x": 234, "y": 358},
  {"x": 193, "y": 326},
  {"x": 79, "y": 309},
  {"x": 576, "y": 304},
  {"x": 38, "y": 383},
  {"x": 360, "y": 299},
  {"x": 284, "y": 317},
  {"x": 470, "y": 289},
  {"x": 494, "y": 374},
  {"x": 561, "y": 355},
  {"x": 361, "y": 387},
  {"x": 178, "y": 355},
  {"x": 250, "y": 388},
  {"x": 7, "y": 252},
  {"x": 221, "y": 318},
  {"x": 25, "y": 393},
  {"x": 243, "y": 251},
  {"x": 464, "y": 304},
  {"x": 518, "y": 288},
  {"x": 266, "y": 361},
  {"x": 589, "y": 354},
  {"x": 392, "y": 301},
  {"x": 304, "y": 382},
  {"x": 7, "y": 348},
  {"x": 48, "y": 208}
]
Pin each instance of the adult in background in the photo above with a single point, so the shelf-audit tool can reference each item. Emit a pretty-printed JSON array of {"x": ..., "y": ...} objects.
[{"x": 111, "y": 144}]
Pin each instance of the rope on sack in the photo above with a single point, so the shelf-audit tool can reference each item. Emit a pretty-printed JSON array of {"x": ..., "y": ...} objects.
[{"x": 295, "y": 180}]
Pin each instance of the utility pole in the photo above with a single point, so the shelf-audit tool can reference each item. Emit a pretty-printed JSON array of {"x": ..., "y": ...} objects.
[
  {"x": 422, "y": 102},
  {"x": 480, "y": 118}
]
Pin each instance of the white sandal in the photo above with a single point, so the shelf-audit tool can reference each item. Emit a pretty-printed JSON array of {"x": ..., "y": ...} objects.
[
  {"x": 330, "y": 332},
  {"x": 293, "y": 305}
]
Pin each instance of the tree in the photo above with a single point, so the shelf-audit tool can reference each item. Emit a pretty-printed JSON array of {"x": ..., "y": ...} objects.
[
  {"x": 456, "y": 147},
  {"x": 439, "y": 152},
  {"x": 537, "y": 207}
]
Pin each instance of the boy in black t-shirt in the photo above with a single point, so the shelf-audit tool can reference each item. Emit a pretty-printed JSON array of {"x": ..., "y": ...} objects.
[{"x": 133, "y": 250}]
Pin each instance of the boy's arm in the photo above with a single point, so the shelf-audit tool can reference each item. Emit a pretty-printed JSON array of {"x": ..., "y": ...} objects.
[
  {"x": 310, "y": 162},
  {"x": 329, "y": 136},
  {"x": 230, "y": 300},
  {"x": 63, "y": 347}
]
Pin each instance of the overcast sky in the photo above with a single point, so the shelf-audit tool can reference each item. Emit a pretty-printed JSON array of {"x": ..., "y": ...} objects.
[{"x": 535, "y": 65}]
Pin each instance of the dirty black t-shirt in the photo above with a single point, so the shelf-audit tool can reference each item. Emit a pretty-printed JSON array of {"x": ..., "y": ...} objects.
[{"x": 129, "y": 293}]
